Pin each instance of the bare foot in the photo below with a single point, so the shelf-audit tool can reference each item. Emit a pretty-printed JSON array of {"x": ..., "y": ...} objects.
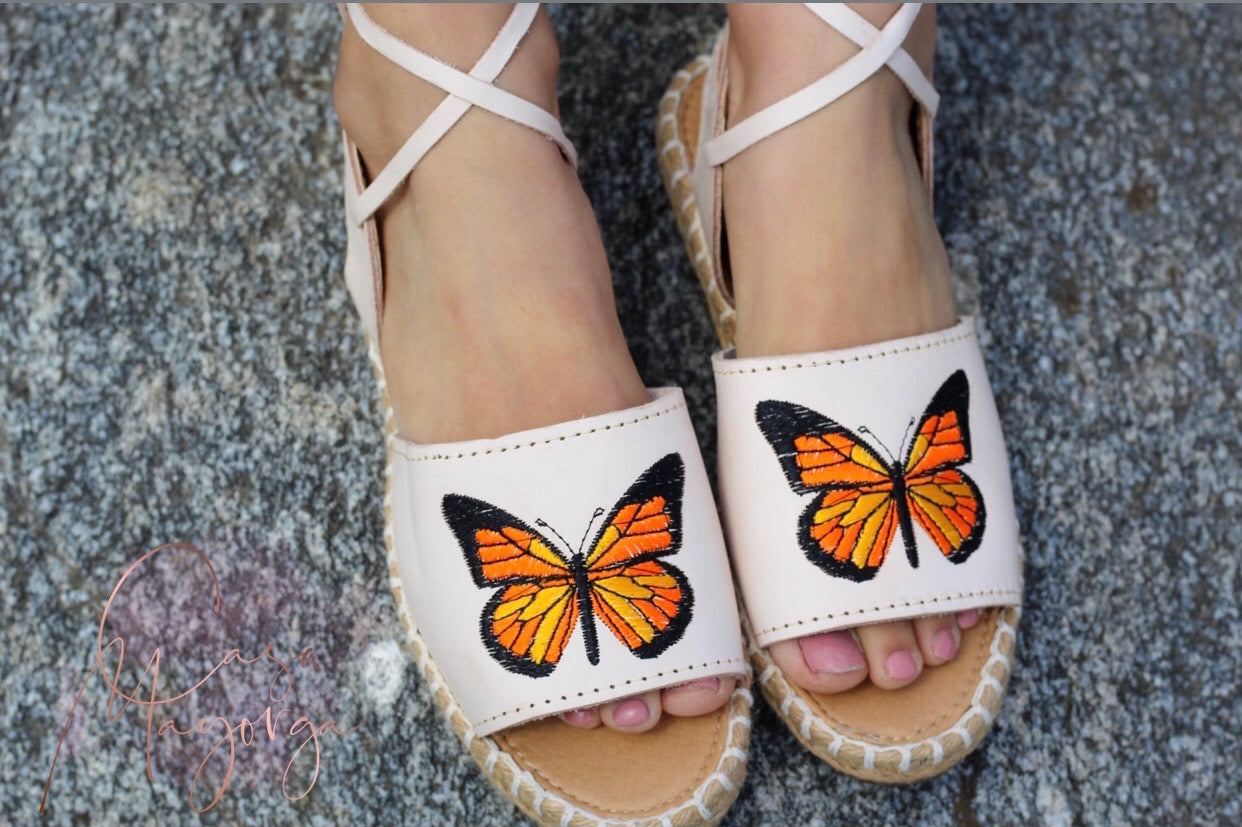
[
  {"x": 498, "y": 308},
  {"x": 828, "y": 219}
]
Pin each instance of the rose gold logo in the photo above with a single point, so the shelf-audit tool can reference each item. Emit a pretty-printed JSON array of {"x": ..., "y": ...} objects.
[{"x": 170, "y": 666}]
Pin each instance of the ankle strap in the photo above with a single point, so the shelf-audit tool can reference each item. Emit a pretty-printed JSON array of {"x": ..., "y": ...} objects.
[
  {"x": 879, "y": 47},
  {"x": 465, "y": 90}
]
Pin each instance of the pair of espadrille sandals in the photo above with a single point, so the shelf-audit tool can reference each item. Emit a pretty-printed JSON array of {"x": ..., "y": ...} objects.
[{"x": 510, "y": 624}]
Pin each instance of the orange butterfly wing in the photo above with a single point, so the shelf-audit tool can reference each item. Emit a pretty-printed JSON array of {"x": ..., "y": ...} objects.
[
  {"x": 848, "y": 529},
  {"x": 645, "y": 602},
  {"x": 530, "y": 623},
  {"x": 939, "y": 497},
  {"x": 527, "y": 624},
  {"x": 855, "y": 528}
]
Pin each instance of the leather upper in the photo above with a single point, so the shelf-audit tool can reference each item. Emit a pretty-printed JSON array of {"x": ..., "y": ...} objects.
[
  {"x": 815, "y": 409},
  {"x": 557, "y": 487}
]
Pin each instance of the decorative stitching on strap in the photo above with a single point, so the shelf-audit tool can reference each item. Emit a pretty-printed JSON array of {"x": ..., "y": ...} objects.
[
  {"x": 923, "y": 602},
  {"x": 536, "y": 443},
  {"x": 585, "y": 692},
  {"x": 862, "y": 357}
]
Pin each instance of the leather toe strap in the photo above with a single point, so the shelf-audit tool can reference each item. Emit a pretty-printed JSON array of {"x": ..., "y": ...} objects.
[
  {"x": 566, "y": 566},
  {"x": 866, "y": 484}
]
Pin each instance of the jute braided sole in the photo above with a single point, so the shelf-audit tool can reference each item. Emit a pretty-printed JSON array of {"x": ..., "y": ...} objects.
[
  {"x": 849, "y": 751},
  {"x": 706, "y": 806}
]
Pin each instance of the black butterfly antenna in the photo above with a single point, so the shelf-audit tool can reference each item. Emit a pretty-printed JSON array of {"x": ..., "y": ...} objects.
[
  {"x": 599, "y": 512},
  {"x": 906, "y": 436},
  {"x": 543, "y": 524},
  {"x": 863, "y": 429}
]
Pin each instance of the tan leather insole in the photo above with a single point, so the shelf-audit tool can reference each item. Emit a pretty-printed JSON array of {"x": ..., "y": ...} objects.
[
  {"x": 928, "y": 706},
  {"x": 628, "y": 776}
]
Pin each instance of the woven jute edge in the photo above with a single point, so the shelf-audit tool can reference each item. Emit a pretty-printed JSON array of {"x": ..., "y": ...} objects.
[
  {"x": 883, "y": 761},
  {"x": 707, "y": 804},
  {"x": 674, "y": 157},
  {"x": 676, "y": 131}
]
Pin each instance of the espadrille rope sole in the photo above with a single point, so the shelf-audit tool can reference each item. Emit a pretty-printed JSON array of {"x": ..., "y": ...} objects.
[
  {"x": 707, "y": 804},
  {"x": 852, "y": 752}
]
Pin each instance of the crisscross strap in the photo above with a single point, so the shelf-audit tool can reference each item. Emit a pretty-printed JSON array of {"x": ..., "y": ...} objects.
[
  {"x": 465, "y": 90},
  {"x": 879, "y": 48}
]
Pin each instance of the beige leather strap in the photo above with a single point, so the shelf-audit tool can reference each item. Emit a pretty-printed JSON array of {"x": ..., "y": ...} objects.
[
  {"x": 465, "y": 90},
  {"x": 857, "y": 28},
  {"x": 880, "y": 47}
]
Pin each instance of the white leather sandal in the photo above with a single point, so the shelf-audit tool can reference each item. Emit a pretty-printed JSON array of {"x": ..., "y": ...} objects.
[
  {"x": 827, "y": 528},
  {"x": 509, "y": 623}
]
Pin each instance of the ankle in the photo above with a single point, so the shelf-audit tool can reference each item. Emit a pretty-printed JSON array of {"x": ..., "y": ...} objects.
[
  {"x": 872, "y": 243},
  {"x": 380, "y": 105}
]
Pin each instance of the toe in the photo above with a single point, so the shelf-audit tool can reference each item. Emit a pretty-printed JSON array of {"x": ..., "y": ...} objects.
[
  {"x": 939, "y": 638},
  {"x": 637, "y": 713},
  {"x": 697, "y": 697},
  {"x": 893, "y": 656},
  {"x": 826, "y": 663},
  {"x": 967, "y": 618},
  {"x": 585, "y": 718}
]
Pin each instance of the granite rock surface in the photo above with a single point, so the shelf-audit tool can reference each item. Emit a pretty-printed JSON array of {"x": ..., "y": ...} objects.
[{"x": 179, "y": 361}]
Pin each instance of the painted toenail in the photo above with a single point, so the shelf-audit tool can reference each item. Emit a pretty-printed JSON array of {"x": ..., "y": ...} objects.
[
  {"x": 578, "y": 717},
  {"x": 708, "y": 684},
  {"x": 901, "y": 666},
  {"x": 968, "y": 618},
  {"x": 832, "y": 653},
  {"x": 631, "y": 712},
  {"x": 944, "y": 644}
]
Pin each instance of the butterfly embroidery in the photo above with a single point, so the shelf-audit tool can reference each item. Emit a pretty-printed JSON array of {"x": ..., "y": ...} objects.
[
  {"x": 862, "y": 499},
  {"x": 544, "y": 592}
]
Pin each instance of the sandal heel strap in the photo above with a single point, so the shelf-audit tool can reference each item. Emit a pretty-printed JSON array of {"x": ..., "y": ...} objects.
[
  {"x": 865, "y": 485},
  {"x": 566, "y": 566}
]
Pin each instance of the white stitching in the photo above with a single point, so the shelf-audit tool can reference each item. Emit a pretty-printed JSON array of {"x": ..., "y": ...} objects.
[
  {"x": 396, "y": 449},
  {"x": 923, "y": 602},
  {"x": 723, "y": 780},
  {"x": 862, "y": 357}
]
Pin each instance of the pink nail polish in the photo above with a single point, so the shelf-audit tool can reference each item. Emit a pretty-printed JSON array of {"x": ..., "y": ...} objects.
[
  {"x": 967, "y": 618},
  {"x": 832, "y": 653},
  {"x": 901, "y": 666},
  {"x": 630, "y": 712},
  {"x": 578, "y": 717},
  {"x": 944, "y": 644}
]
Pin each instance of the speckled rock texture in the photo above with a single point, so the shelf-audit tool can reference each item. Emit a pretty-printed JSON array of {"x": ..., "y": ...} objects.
[{"x": 179, "y": 361}]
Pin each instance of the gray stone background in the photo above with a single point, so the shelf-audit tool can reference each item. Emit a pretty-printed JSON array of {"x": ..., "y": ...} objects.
[{"x": 179, "y": 361}]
